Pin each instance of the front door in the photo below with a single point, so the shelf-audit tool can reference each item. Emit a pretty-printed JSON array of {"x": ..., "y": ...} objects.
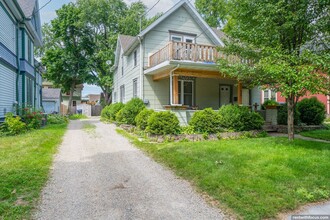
[{"x": 225, "y": 95}]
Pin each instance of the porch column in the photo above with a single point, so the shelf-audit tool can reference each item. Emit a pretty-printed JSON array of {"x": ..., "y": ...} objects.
[
  {"x": 175, "y": 90},
  {"x": 239, "y": 93}
]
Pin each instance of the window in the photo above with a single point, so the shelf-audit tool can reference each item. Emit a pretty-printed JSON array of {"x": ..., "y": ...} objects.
[
  {"x": 29, "y": 91},
  {"x": 122, "y": 93},
  {"x": 135, "y": 88},
  {"x": 269, "y": 95},
  {"x": 115, "y": 97},
  {"x": 135, "y": 58},
  {"x": 122, "y": 65},
  {"x": 186, "y": 92},
  {"x": 176, "y": 38},
  {"x": 29, "y": 50},
  {"x": 74, "y": 103}
]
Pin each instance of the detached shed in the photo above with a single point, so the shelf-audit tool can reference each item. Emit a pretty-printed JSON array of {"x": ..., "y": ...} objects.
[{"x": 51, "y": 100}]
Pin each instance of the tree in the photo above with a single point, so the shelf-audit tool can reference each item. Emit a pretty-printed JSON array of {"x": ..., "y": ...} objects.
[
  {"x": 214, "y": 12},
  {"x": 67, "y": 55},
  {"x": 110, "y": 18},
  {"x": 281, "y": 45}
]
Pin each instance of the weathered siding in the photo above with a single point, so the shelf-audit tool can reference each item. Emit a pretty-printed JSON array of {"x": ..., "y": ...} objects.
[
  {"x": 7, "y": 90},
  {"x": 180, "y": 21},
  {"x": 130, "y": 73},
  {"x": 7, "y": 29}
]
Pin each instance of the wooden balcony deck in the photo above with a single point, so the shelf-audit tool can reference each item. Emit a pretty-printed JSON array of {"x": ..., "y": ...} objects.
[{"x": 185, "y": 52}]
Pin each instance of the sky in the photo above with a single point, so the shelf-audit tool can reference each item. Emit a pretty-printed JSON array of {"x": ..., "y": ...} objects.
[{"x": 49, "y": 12}]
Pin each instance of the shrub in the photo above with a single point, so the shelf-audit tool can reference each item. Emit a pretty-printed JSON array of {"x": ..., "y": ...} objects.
[
  {"x": 312, "y": 111},
  {"x": 206, "y": 121},
  {"x": 239, "y": 118},
  {"x": 77, "y": 117},
  {"x": 109, "y": 112},
  {"x": 282, "y": 115},
  {"x": 13, "y": 125},
  {"x": 163, "y": 123},
  {"x": 141, "y": 119},
  {"x": 130, "y": 111},
  {"x": 32, "y": 118},
  {"x": 120, "y": 116},
  {"x": 56, "y": 119}
]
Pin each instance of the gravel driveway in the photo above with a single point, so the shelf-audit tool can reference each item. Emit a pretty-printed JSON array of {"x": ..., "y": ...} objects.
[{"x": 98, "y": 174}]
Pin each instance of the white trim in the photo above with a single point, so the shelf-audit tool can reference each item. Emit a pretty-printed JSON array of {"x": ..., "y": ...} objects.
[
  {"x": 185, "y": 38},
  {"x": 176, "y": 36},
  {"x": 269, "y": 95},
  {"x": 182, "y": 91}
]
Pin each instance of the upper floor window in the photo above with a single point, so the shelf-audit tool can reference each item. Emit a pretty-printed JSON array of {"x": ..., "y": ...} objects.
[
  {"x": 135, "y": 88},
  {"x": 29, "y": 51},
  {"x": 122, "y": 93},
  {"x": 182, "y": 37},
  {"x": 135, "y": 58},
  {"x": 269, "y": 95},
  {"x": 122, "y": 65}
]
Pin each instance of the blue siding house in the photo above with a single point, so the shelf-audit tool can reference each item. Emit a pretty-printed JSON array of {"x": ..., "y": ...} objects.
[{"x": 20, "y": 75}]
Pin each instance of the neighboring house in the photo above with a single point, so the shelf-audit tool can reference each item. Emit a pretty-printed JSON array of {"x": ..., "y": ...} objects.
[
  {"x": 172, "y": 64},
  {"x": 76, "y": 99},
  {"x": 91, "y": 99},
  {"x": 20, "y": 33},
  {"x": 51, "y": 100},
  {"x": 276, "y": 96}
]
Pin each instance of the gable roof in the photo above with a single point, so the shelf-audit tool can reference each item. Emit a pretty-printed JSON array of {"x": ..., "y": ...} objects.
[
  {"x": 195, "y": 15},
  {"x": 27, "y": 6},
  {"x": 52, "y": 94},
  {"x": 126, "y": 41}
]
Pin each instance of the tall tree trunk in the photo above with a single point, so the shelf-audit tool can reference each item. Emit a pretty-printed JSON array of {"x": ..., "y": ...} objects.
[
  {"x": 291, "y": 105},
  {"x": 71, "y": 98}
]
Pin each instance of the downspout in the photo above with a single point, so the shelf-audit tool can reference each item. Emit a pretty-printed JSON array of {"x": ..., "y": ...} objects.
[
  {"x": 171, "y": 85},
  {"x": 141, "y": 69},
  {"x": 18, "y": 70}
]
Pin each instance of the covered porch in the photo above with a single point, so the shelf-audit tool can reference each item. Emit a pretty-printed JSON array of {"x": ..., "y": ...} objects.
[{"x": 185, "y": 90}]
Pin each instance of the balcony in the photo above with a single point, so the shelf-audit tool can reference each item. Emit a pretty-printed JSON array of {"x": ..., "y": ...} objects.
[{"x": 182, "y": 51}]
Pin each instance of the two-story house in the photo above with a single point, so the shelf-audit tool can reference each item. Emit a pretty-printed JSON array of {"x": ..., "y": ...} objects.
[
  {"x": 20, "y": 77},
  {"x": 172, "y": 65}
]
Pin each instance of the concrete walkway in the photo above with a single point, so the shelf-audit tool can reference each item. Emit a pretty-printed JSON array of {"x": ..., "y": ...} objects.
[
  {"x": 320, "y": 209},
  {"x": 98, "y": 174}
]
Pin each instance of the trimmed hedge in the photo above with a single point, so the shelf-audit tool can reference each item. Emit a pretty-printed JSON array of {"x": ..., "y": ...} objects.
[
  {"x": 130, "y": 111},
  {"x": 239, "y": 118},
  {"x": 163, "y": 123},
  {"x": 109, "y": 112},
  {"x": 312, "y": 111},
  {"x": 206, "y": 121},
  {"x": 142, "y": 118}
]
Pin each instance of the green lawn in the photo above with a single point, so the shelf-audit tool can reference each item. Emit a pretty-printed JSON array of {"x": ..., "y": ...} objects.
[
  {"x": 318, "y": 134},
  {"x": 24, "y": 168},
  {"x": 255, "y": 178}
]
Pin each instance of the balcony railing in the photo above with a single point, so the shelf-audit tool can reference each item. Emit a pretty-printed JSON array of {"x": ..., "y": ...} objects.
[{"x": 185, "y": 51}]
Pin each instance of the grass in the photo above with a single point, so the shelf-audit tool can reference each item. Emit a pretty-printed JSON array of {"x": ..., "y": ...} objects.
[
  {"x": 24, "y": 166},
  {"x": 77, "y": 117},
  {"x": 318, "y": 134},
  {"x": 255, "y": 178}
]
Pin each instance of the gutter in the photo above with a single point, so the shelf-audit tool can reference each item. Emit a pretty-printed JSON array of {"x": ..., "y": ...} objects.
[{"x": 171, "y": 86}]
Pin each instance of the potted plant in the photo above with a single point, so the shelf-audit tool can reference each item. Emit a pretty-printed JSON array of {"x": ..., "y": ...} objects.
[{"x": 270, "y": 104}]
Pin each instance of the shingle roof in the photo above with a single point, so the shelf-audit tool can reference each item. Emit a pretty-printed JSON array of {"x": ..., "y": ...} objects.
[
  {"x": 27, "y": 6},
  {"x": 126, "y": 41},
  {"x": 219, "y": 33},
  {"x": 51, "y": 93}
]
